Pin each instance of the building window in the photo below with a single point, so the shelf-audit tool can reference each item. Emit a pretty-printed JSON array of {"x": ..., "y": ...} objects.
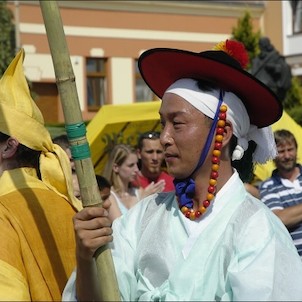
[
  {"x": 96, "y": 83},
  {"x": 296, "y": 16},
  {"x": 142, "y": 92}
]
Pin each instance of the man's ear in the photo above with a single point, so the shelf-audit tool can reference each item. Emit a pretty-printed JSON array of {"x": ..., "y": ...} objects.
[
  {"x": 11, "y": 148},
  {"x": 228, "y": 133}
]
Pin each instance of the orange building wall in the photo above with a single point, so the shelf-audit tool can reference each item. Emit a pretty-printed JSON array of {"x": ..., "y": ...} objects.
[
  {"x": 126, "y": 20},
  {"x": 124, "y": 47},
  {"x": 273, "y": 23}
]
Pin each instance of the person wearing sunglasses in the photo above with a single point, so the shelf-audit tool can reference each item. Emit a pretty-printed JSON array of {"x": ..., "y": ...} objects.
[{"x": 151, "y": 159}]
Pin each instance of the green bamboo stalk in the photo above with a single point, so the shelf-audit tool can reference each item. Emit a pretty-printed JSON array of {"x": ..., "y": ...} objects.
[{"x": 76, "y": 132}]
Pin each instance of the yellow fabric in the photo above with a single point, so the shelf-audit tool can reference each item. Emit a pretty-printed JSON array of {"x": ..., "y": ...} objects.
[
  {"x": 263, "y": 172},
  {"x": 21, "y": 118},
  {"x": 19, "y": 178},
  {"x": 18, "y": 291},
  {"x": 56, "y": 174},
  {"x": 37, "y": 252},
  {"x": 14, "y": 90}
]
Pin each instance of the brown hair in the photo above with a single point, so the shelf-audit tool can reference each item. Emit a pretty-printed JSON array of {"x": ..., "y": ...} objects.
[{"x": 284, "y": 136}]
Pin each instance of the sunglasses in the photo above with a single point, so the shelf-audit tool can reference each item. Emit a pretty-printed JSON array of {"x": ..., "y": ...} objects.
[{"x": 150, "y": 135}]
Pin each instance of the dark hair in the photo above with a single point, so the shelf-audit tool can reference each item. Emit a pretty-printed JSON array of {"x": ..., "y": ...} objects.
[
  {"x": 206, "y": 85},
  {"x": 147, "y": 135},
  {"x": 62, "y": 141},
  {"x": 245, "y": 166},
  {"x": 102, "y": 182},
  {"x": 25, "y": 156},
  {"x": 3, "y": 137}
]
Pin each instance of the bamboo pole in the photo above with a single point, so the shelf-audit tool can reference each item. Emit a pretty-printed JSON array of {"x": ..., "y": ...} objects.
[{"x": 76, "y": 132}]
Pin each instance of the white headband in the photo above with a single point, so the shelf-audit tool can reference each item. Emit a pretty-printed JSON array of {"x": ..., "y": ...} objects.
[{"x": 207, "y": 103}]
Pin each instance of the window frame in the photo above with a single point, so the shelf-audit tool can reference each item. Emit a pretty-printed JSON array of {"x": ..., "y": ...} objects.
[
  {"x": 137, "y": 76},
  {"x": 294, "y": 8},
  {"x": 100, "y": 72}
]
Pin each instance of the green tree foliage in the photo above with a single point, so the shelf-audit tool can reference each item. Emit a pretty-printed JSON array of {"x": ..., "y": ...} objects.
[
  {"x": 244, "y": 33},
  {"x": 7, "y": 36},
  {"x": 293, "y": 96},
  {"x": 293, "y": 101}
]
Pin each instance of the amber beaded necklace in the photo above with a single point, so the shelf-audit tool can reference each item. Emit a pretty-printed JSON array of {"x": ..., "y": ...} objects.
[{"x": 188, "y": 211}]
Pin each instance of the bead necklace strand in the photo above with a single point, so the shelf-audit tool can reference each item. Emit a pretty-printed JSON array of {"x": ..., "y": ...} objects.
[{"x": 189, "y": 212}]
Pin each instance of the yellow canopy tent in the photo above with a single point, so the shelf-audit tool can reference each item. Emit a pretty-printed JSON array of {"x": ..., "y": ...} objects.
[
  {"x": 263, "y": 172},
  {"x": 119, "y": 124}
]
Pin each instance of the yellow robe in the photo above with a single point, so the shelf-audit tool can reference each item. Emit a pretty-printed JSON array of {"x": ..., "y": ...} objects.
[{"x": 37, "y": 245}]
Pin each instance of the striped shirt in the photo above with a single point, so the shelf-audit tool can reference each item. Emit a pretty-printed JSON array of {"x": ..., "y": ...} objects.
[{"x": 279, "y": 193}]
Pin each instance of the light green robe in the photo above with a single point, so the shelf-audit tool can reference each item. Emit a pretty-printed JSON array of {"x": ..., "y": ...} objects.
[{"x": 238, "y": 251}]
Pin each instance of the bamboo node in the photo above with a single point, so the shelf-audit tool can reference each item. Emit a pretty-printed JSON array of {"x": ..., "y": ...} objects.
[{"x": 66, "y": 79}]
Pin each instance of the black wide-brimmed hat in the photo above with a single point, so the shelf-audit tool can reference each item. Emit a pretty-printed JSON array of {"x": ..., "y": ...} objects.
[{"x": 161, "y": 67}]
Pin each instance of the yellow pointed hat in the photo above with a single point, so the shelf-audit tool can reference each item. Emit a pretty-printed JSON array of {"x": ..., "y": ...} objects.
[
  {"x": 21, "y": 118},
  {"x": 19, "y": 115}
]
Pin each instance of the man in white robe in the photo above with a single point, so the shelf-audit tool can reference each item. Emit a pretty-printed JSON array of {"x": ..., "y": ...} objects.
[{"x": 210, "y": 240}]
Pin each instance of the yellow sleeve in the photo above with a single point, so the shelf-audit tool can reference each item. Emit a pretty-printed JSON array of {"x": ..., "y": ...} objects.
[{"x": 13, "y": 286}]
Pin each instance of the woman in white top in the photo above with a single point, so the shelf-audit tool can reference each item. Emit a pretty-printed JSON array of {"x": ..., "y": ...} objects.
[{"x": 121, "y": 170}]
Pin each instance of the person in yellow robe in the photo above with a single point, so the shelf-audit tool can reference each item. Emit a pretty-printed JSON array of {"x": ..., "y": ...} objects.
[{"x": 37, "y": 244}]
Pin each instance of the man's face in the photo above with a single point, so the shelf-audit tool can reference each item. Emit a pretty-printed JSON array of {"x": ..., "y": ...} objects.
[
  {"x": 151, "y": 156},
  {"x": 184, "y": 133},
  {"x": 287, "y": 156}
]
